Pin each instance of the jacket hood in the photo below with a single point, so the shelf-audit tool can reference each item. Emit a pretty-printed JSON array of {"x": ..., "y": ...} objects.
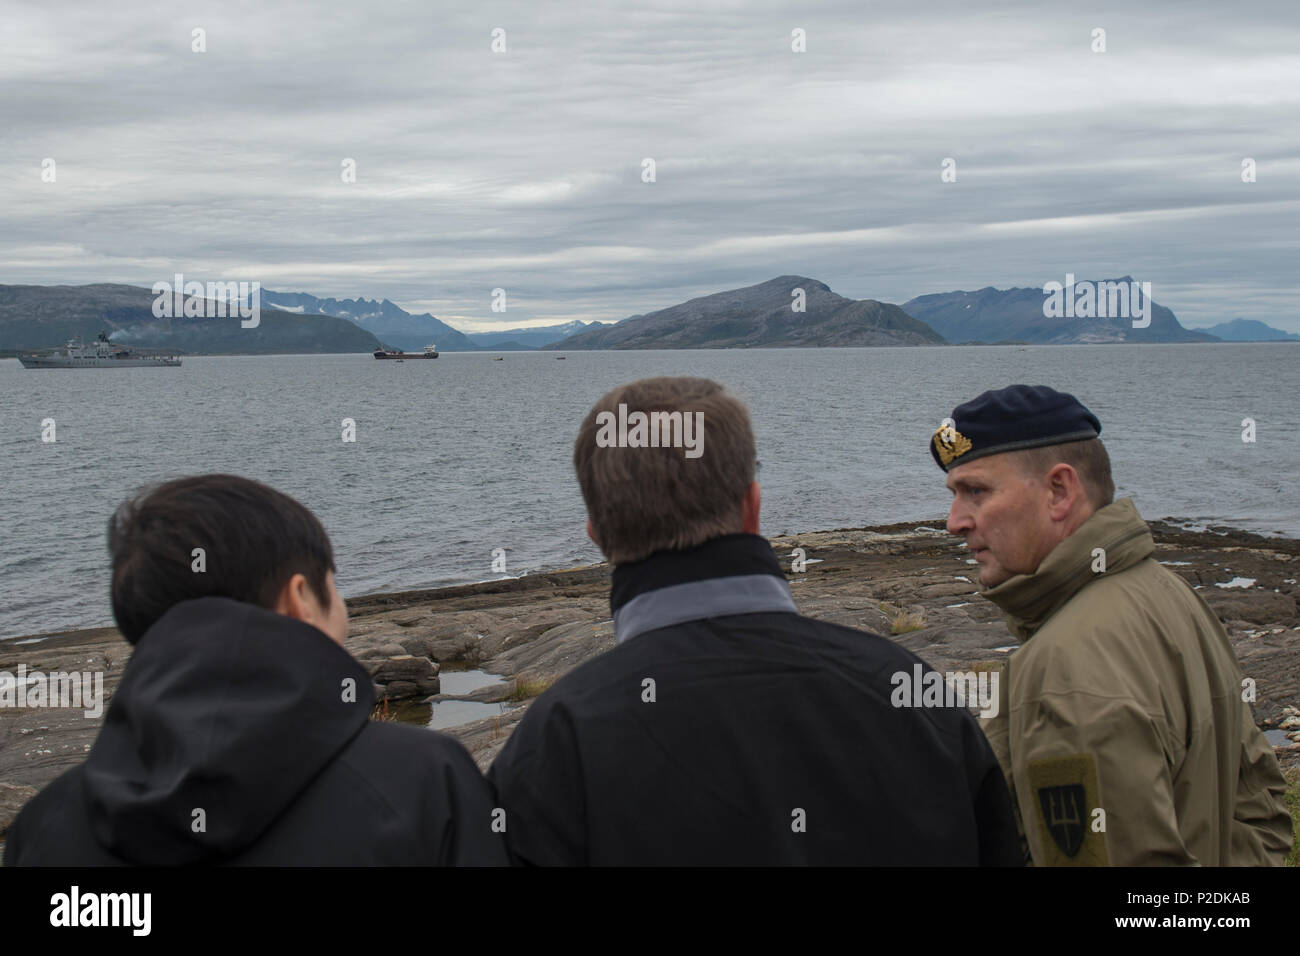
[
  {"x": 224, "y": 708},
  {"x": 1028, "y": 600}
]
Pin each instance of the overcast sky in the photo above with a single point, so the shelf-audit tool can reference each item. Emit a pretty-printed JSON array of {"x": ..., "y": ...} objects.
[{"x": 523, "y": 169}]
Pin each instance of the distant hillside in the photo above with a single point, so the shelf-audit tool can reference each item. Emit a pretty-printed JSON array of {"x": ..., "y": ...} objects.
[
  {"x": 36, "y": 317},
  {"x": 531, "y": 338},
  {"x": 995, "y": 315},
  {"x": 760, "y": 316},
  {"x": 510, "y": 346},
  {"x": 393, "y": 325},
  {"x": 1250, "y": 330}
]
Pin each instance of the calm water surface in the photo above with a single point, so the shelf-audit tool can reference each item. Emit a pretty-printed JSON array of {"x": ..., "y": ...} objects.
[{"x": 457, "y": 457}]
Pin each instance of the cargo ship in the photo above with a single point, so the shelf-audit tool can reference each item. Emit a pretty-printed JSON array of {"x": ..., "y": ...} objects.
[
  {"x": 430, "y": 351},
  {"x": 99, "y": 354}
]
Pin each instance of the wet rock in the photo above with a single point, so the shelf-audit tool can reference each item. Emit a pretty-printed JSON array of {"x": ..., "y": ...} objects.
[
  {"x": 420, "y": 645},
  {"x": 401, "y": 689},
  {"x": 945, "y": 590},
  {"x": 1261, "y": 607},
  {"x": 406, "y": 667},
  {"x": 539, "y": 627},
  {"x": 405, "y": 675}
]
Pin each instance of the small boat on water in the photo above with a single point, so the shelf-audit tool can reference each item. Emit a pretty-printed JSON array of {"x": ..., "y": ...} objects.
[
  {"x": 98, "y": 354},
  {"x": 430, "y": 352}
]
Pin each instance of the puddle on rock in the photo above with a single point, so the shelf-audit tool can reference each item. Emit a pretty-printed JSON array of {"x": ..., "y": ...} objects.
[
  {"x": 443, "y": 714},
  {"x": 460, "y": 683},
  {"x": 1278, "y": 738}
]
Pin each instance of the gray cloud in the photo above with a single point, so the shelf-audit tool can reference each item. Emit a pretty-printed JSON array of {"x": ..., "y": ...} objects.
[{"x": 522, "y": 170}]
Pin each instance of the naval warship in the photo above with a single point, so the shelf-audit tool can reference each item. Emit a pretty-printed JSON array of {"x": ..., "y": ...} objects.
[{"x": 99, "y": 354}]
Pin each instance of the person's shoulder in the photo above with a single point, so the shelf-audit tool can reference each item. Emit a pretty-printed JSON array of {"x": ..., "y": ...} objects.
[
  {"x": 857, "y": 639},
  {"x": 593, "y": 683},
  {"x": 402, "y": 756},
  {"x": 626, "y": 664},
  {"x": 835, "y": 658},
  {"x": 383, "y": 740},
  {"x": 1146, "y": 599},
  {"x": 867, "y": 650},
  {"x": 1139, "y": 582},
  {"x": 53, "y": 811},
  {"x": 1115, "y": 638}
]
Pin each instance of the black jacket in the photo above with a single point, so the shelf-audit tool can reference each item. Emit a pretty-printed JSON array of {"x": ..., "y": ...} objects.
[
  {"x": 724, "y": 728},
  {"x": 242, "y": 736}
]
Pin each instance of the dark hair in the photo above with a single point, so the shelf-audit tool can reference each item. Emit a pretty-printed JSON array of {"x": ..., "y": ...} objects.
[
  {"x": 646, "y": 499},
  {"x": 1087, "y": 457},
  {"x": 254, "y": 540}
]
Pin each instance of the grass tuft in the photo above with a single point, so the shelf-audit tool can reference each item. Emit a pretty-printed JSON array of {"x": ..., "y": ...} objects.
[
  {"x": 900, "y": 621},
  {"x": 528, "y": 689},
  {"x": 382, "y": 712}
]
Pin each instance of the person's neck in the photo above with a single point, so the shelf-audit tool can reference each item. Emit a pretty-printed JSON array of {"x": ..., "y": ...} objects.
[{"x": 1064, "y": 529}]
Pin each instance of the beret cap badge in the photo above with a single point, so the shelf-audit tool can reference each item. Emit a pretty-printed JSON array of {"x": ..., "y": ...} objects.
[
  {"x": 950, "y": 443},
  {"x": 1014, "y": 418}
]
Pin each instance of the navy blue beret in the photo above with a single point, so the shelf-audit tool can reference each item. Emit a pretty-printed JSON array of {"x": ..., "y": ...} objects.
[{"x": 1011, "y": 419}]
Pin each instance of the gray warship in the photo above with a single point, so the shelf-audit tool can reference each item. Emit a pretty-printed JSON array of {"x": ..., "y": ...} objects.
[{"x": 98, "y": 354}]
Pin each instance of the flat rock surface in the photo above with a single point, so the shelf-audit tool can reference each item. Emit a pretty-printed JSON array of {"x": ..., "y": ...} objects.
[{"x": 532, "y": 630}]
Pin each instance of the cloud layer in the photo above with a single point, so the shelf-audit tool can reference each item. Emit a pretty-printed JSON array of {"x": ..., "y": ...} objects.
[{"x": 523, "y": 169}]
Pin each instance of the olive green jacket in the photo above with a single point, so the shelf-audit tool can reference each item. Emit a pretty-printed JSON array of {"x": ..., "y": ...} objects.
[{"x": 1123, "y": 731}]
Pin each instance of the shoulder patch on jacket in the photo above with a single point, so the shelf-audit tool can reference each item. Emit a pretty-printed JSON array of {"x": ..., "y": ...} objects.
[{"x": 1065, "y": 797}]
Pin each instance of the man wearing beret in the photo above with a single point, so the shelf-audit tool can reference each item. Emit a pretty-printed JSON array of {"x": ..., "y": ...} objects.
[{"x": 1124, "y": 736}]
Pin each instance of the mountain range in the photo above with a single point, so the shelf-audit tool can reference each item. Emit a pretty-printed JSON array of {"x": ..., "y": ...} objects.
[
  {"x": 387, "y": 321},
  {"x": 766, "y": 315},
  {"x": 34, "y": 317},
  {"x": 1250, "y": 330},
  {"x": 397, "y": 328},
  {"x": 1017, "y": 315},
  {"x": 785, "y": 312},
  {"x": 533, "y": 338}
]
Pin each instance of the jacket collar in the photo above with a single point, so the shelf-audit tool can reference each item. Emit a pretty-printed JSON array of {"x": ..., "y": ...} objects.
[
  {"x": 731, "y": 574},
  {"x": 1027, "y": 601}
]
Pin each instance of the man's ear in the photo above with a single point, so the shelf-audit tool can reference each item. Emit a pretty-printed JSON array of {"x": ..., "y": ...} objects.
[
  {"x": 749, "y": 508},
  {"x": 293, "y": 600},
  {"x": 1066, "y": 493},
  {"x": 591, "y": 533}
]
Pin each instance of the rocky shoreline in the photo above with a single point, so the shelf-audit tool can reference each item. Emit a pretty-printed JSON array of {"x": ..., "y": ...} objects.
[{"x": 532, "y": 630}]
